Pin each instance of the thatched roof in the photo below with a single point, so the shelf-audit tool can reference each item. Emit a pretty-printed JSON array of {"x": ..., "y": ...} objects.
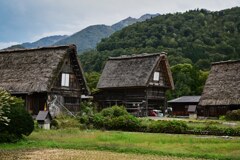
[
  {"x": 223, "y": 85},
  {"x": 186, "y": 99},
  {"x": 33, "y": 70},
  {"x": 132, "y": 71}
]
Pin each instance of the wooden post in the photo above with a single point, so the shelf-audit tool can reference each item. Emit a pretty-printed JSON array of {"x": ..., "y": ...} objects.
[{"x": 146, "y": 107}]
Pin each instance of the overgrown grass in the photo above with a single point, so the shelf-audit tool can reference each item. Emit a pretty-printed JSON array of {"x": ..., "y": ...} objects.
[{"x": 208, "y": 147}]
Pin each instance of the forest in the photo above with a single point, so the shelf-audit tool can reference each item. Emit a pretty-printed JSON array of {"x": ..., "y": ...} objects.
[{"x": 192, "y": 40}]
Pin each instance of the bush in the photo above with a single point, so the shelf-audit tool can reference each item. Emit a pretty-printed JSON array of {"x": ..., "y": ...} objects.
[
  {"x": 223, "y": 118},
  {"x": 116, "y": 118},
  {"x": 21, "y": 122},
  {"x": 64, "y": 121},
  {"x": 86, "y": 114},
  {"x": 167, "y": 127},
  {"x": 233, "y": 115}
]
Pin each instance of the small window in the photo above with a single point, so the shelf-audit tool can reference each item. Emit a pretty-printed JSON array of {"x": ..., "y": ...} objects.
[
  {"x": 65, "y": 80},
  {"x": 156, "y": 76}
]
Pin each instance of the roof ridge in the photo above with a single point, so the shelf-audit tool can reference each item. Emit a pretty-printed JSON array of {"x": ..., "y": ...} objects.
[
  {"x": 228, "y": 61},
  {"x": 34, "y": 49},
  {"x": 136, "y": 56}
]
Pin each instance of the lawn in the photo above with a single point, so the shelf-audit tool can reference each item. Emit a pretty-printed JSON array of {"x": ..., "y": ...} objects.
[{"x": 149, "y": 144}]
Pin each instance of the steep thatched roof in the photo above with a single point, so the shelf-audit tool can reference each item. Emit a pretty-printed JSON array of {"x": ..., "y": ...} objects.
[
  {"x": 223, "y": 85},
  {"x": 32, "y": 70},
  {"x": 132, "y": 71}
]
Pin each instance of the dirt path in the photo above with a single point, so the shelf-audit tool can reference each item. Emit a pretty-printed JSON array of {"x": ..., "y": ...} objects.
[{"x": 70, "y": 154}]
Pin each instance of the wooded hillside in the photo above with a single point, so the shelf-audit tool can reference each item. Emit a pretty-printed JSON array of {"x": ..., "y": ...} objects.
[{"x": 197, "y": 37}]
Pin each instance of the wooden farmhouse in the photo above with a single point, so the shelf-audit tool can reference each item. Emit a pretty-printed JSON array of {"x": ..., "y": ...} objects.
[
  {"x": 49, "y": 78},
  {"x": 222, "y": 89},
  {"x": 138, "y": 82},
  {"x": 183, "y": 106}
]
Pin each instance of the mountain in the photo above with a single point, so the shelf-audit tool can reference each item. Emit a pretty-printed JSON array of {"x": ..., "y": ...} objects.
[
  {"x": 198, "y": 37},
  {"x": 124, "y": 23},
  {"x": 147, "y": 16},
  {"x": 14, "y": 47},
  {"x": 44, "y": 42},
  {"x": 88, "y": 38}
]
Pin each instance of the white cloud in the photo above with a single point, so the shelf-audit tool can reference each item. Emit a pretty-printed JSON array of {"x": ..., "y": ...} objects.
[
  {"x": 7, "y": 44},
  {"x": 29, "y": 20}
]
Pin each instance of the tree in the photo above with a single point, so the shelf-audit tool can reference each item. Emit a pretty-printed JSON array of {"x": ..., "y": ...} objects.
[
  {"x": 16, "y": 120},
  {"x": 5, "y": 100},
  {"x": 92, "y": 80},
  {"x": 188, "y": 80}
]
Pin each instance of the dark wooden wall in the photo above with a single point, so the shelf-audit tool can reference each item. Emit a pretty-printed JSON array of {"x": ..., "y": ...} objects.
[{"x": 137, "y": 101}]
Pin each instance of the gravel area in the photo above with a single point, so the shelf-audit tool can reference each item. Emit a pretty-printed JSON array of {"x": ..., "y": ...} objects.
[{"x": 70, "y": 154}]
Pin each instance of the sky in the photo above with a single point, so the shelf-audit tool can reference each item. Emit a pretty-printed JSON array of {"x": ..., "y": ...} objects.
[{"x": 29, "y": 20}]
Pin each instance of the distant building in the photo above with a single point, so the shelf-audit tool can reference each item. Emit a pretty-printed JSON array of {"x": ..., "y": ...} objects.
[
  {"x": 222, "y": 89},
  {"x": 46, "y": 78},
  {"x": 185, "y": 105},
  {"x": 138, "y": 82}
]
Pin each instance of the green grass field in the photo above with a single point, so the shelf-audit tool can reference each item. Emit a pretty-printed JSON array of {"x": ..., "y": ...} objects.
[{"x": 207, "y": 147}]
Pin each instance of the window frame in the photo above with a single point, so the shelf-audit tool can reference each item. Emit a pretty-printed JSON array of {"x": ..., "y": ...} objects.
[
  {"x": 156, "y": 76},
  {"x": 65, "y": 80}
]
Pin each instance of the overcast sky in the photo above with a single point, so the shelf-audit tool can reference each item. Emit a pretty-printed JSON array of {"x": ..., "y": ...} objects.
[{"x": 30, "y": 20}]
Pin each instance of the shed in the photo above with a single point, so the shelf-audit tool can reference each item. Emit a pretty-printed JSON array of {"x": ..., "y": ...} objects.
[
  {"x": 44, "y": 119},
  {"x": 192, "y": 111},
  {"x": 182, "y": 106},
  {"x": 138, "y": 82},
  {"x": 221, "y": 92}
]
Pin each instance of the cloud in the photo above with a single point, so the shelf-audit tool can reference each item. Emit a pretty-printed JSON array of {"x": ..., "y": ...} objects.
[
  {"x": 30, "y": 19},
  {"x": 7, "y": 44}
]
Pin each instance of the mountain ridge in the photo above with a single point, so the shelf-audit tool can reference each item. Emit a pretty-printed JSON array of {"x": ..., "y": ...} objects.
[{"x": 85, "y": 39}]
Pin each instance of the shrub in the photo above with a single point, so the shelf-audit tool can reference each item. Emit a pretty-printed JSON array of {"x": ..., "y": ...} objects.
[
  {"x": 21, "y": 122},
  {"x": 64, "y": 121},
  {"x": 168, "y": 127},
  {"x": 223, "y": 117},
  {"x": 55, "y": 124},
  {"x": 233, "y": 115},
  {"x": 86, "y": 114},
  {"x": 116, "y": 118}
]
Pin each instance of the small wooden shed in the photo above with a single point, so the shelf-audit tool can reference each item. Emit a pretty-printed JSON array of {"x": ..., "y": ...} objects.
[
  {"x": 182, "y": 106},
  {"x": 44, "y": 119}
]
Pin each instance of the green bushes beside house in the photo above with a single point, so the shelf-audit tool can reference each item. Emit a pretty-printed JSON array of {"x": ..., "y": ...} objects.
[
  {"x": 117, "y": 118},
  {"x": 19, "y": 122},
  {"x": 233, "y": 115}
]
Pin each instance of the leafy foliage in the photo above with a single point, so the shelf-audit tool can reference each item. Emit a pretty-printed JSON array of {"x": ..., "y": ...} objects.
[
  {"x": 19, "y": 121},
  {"x": 161, "y": 126},
  {"x": 188, "y": 80},
  {"x": 116, "y": 118},
  {"x": 233, "y": 115},
  {"x": 5, "y": 101},
  {"x": 63, "y": 121},
  {"x": 196, "y": 34},
  {"x": 88, "y": 109},
  {"x": 198, "y": 37},
  {"x": 92, "y": 80}
]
